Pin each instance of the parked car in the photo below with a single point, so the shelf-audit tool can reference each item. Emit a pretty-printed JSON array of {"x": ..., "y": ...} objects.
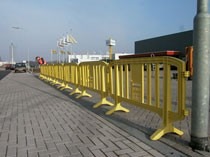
[
  {"x": 9, "y": 66},
  {"x": 20, "y": 67}
]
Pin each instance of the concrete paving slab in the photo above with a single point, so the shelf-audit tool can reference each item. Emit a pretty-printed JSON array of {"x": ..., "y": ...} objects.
[{"x": 38, "y": 120}]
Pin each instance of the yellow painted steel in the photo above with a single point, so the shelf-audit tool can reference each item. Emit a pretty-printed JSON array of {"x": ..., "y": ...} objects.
[
  {"x": 132, "y": 81},
  {"x": 43, "y": 72},
  {"x": 84, "y": 79},
  {"x": 93, "y": 76},
  {"x": 116, "y": 82},
  {"x": 55, "y": 74},
  {"x": 66, "y": 77},
  {"x": 62, "y": 75},
  {"x": 74, "y": 77}
]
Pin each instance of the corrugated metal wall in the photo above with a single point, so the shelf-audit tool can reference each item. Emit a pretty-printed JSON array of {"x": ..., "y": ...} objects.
[{"x": 176, "y": 42}]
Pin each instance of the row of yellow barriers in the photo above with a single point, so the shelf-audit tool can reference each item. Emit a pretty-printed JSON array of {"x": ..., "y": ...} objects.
[{"x": 129, "y": 80}]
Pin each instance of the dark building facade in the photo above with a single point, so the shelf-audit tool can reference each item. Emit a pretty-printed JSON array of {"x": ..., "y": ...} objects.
[{"x": 177, "y": 42}]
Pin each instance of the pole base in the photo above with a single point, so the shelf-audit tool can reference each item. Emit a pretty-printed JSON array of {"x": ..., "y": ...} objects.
[{"x": 199, "y": 143}]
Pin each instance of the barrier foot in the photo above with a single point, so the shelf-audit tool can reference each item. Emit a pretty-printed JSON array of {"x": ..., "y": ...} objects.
[
  {"x": 61, "y": 85},
  {"x": 76, "y": 91},
  {"x": 84, "y": 93},
  {"x": 54, "y": 82},
  {"x": 44, "y": 78},
  {"x": 117, "y": 107},
  {"x": 41, "y": 76},
  {"x": 49, "y": 80},
  {"x": 103, "y": 102},
  {"x": 164, "y": 130},
  {"x": 66, "y": 87}
]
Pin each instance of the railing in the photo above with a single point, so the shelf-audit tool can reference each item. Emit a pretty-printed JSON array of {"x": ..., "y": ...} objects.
[{"x": 133, "y": 81}]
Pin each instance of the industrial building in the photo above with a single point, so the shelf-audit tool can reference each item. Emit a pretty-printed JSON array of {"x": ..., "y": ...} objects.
[{"x": 176, "y": 42}]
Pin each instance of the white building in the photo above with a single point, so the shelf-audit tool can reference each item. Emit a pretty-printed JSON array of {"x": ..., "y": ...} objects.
[
  {"x": 86, "y": 58},
  {"x": 2, "y": 63},
  {"x": 92, "y": 57}
]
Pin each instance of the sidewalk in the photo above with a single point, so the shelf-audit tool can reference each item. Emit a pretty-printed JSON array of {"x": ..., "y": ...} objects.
[{"x": 37, "y": 120}]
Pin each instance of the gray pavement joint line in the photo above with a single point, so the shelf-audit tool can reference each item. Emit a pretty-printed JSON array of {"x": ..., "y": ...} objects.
[
  {"x": 147, "y": 143},
  {"x": 102, "y": 120},
  {"x": 161, "y": 146},
  {"x": 168, "y": 150}
]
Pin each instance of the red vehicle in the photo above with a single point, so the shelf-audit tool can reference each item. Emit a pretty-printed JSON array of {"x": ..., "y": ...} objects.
[
  {"x": 40, "y": 60},
  {"x": 9, "y": 66}
]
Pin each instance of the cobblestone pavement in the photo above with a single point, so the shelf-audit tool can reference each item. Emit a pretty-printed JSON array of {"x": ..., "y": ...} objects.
[{"x": 36, "y": 120}]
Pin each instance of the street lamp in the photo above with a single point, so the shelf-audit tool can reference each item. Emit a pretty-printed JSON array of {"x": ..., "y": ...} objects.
[
  {"x": 12, "y": 53},
  {"x": 12, "y": 45}
]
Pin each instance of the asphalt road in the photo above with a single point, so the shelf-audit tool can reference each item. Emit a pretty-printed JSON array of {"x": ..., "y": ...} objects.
[{"x": 4, "y": 73}]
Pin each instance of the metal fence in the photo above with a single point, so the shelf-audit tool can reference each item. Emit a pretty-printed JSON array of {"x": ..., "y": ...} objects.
[{"x": 143, "y": 82}]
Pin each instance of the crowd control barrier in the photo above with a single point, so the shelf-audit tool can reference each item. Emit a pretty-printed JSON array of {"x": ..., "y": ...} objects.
[
  {"x": 71, "y": 76},
  {"x": 93, "y": 76},
  {"x": 143, "y": 82},
  {"x": 133, "y": 81}
]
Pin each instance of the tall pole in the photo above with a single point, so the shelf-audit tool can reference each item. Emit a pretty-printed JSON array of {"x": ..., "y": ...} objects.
[
  {"x": 110, "y": 52},
  {"x": 28, "y": 60},
  {"x": 12, "y": 53},
  {"x": 200, "y": 85}
]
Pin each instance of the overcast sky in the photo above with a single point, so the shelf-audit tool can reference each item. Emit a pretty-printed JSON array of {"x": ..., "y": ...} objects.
[{"x": 41, "y": 23}]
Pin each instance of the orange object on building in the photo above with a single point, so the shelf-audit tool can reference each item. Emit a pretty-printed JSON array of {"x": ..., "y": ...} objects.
[{"x": 189, "y": 60}]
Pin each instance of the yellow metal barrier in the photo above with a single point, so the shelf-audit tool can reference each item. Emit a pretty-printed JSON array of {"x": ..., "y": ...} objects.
[
  {"x": 60, "y": 78},
  {"x": 45, "y": 72},
  {"x": 133, "y": 81},
  {"x": 71, "y": 76},
  {"x": 93, "y": 77},
  {"x": 55, "y": 74},
  {"x": 65, "y": 76}
]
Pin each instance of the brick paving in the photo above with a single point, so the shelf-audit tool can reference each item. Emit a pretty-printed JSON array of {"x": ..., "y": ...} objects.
[{"x": 36, "y": 120}]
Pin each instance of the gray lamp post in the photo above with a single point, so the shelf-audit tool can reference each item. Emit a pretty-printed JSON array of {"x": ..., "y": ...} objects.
[
  {"x": 200, "y": 86},
  {"x": 12, "y": 45},
  {"x": 12, "y": 53}
]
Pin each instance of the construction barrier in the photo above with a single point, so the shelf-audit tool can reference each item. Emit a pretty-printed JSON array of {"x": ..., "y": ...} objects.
[
  {"x": 133, "y": 81},
  {"x": 93, "y": 76},
  {"x": 71, "y": 76}
]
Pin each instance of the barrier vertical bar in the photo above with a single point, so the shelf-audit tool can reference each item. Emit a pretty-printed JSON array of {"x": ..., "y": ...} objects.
[
  {"x": 102, "y": 86},
  {"x": 157, "y": 85},
  {"x": 167, "y": 125},
  {"x": 149, "y": 88},
  {"x": 118, "y": 106}
]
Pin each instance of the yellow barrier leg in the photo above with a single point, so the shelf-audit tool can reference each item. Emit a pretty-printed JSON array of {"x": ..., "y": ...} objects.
[
  {"x": 54, "y": 82},
  {"x": 41, "y": 76},
  {"x": 48, "y": 79},
  {"x": 164, "y": 130},
  {"x": 66, "y": 87},
  {"x": 103, "y": 102},
  {"x": 76, "y": 91},
  {"x": 117, "y": 107},
  {"x": 61, "y": 85},
  {"x": 84, "y": 93}
]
